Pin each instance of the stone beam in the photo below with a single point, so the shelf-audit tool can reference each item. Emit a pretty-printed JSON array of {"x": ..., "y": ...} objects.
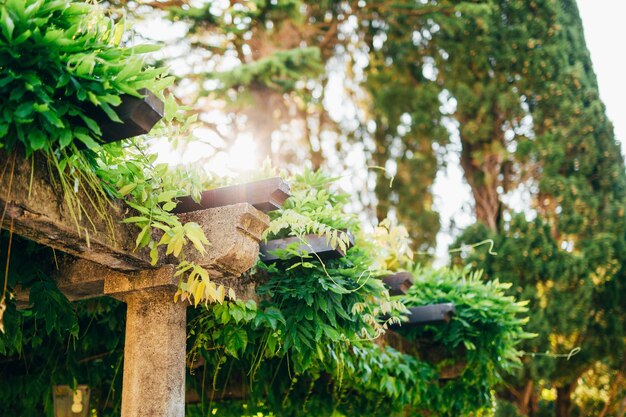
[
  {"x": 33, "y": 206},
  {"x": 234, "y": 232}
]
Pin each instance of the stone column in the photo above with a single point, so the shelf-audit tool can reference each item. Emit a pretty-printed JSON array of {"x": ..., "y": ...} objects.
[{"x": 154, "y": 355}]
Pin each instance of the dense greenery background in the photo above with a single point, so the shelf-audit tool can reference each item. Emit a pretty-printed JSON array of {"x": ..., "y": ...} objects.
[{"x": 505, "y": 85}]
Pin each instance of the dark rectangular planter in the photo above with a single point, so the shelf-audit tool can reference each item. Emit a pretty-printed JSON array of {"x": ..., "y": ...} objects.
[
  {"x": 429, "y": 314},
  {"x": 399, "y": 283},
  {"x": 138, "y": 115},
  {"x": 265, "y": 195},
  {"x": 313, "y": 244}
]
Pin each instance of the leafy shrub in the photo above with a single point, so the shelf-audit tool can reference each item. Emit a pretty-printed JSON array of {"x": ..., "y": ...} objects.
[
  {"x": 482, "y": 334},
  {"x": 57, "y": 58}
]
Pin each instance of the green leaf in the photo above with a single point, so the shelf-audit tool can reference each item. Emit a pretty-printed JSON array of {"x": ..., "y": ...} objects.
[
  {"x": 7, "y": 24},
  {"x": 236, "y": 340},
  {"x": 135, "y": 219},
  {"x": 128, "y": 188},
  {"x": 37, "y": 139},
  {"x": 169, "y": 206},
  {"x": 110, "y": 112},
  {"x": 65, "y": 138},
  {"x": 87, "y": 140},
  {"x": 24, "y": 110},
  {"x": 139, "y": 242},
  {"x": 154, "y": 255}
]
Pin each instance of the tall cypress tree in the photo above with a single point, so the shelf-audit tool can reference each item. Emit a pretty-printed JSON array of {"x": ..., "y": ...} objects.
[{"x": 568, "y": 260}]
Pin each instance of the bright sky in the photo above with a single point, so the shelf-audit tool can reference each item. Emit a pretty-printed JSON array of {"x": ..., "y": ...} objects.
[{"x": 605, "y": 31}]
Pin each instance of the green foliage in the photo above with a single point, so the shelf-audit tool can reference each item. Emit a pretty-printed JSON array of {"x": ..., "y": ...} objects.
[
  {"x": 279, "y": 71},
  {"x": 130, "y": 172},
  {"x": 308, "y": 346},
  {"x": 313, "y": 209},
  {"x": 58, "y": 60},
  {"x": 513, "y": 81},
  {"x": 55, "y": 342},
  {"x": 247, "y": 15},
  {"x": 487, "y": 323}
]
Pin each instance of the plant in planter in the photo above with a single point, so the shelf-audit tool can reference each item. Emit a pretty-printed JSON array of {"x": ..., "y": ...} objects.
[
  {"x": 65, "y": 73},
  {"x": 57, "y": 59},
  {"x": 479, "y": 341}
]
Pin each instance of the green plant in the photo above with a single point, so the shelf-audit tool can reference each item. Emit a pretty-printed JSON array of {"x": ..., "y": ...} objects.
[
  {"x": 483, "y": 334},
  {"x": 307, "y": 346},
  {"x": 58, "y": 59}
]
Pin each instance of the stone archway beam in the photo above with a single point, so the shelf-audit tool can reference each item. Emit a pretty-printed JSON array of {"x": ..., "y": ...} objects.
[
  {"x": 34, "y": 207},
  {"x": 234, "y": 232}
]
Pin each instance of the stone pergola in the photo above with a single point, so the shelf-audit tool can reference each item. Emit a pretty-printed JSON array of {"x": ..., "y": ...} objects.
[{"x": 101, "y": 260}]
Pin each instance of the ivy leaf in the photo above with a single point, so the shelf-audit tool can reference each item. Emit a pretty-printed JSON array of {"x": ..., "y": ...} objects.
[
  {"x": 236, "y": 340},
  {"x": 37, "y": 140}
]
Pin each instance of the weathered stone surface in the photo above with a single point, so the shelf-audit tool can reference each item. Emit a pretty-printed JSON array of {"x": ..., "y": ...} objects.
[
  {"x": 118, "y": 285},
  {"x": 154, "y": 355},
  {"x": 234, "y": 232},
  {"x": 36, "y": 208}
]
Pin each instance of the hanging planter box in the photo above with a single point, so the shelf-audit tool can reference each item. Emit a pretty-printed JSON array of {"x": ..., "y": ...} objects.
[
  {"x": 429, "y": 314},
  {"x": 138, "y": 115},
  {"x": 450, "y": 365},
  {"x": 312, "y": 244},
  {"x": 399, "y": 283},
  {"x": 265, "y": 195}
]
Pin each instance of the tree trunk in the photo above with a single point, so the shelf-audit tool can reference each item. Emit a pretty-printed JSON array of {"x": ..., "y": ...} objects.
[
  {"x": 522, "y": 397},
  {"x": 617, "y": 384},
  {"x": 524, "y": 403},
  {"x": 483, "y": 180},
  {"x": 563, "y": 404},
  {"x": 261, "y": 120}
]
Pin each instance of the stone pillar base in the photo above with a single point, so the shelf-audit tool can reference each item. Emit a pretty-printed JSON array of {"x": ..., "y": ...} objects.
[{"x": 154, "y": 355}]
